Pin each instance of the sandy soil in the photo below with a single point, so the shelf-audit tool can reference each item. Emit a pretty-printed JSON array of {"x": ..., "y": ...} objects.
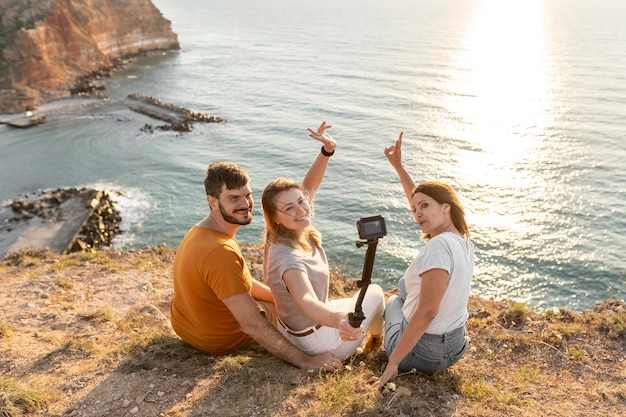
[{"x": 78, "y": 327}]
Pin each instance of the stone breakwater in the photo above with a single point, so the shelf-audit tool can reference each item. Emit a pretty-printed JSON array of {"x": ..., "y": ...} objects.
[
  {"x": 62, "y": 221},
  {"x": 48, "y": 48},
  {"x": 178, "y": 118}
]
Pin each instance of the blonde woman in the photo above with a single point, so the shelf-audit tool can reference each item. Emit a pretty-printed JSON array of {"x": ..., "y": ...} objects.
[{"x": 297, "y": 271}]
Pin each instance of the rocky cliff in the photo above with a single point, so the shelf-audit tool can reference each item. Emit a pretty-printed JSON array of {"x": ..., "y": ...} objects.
[{"x": 49, "y": 46}]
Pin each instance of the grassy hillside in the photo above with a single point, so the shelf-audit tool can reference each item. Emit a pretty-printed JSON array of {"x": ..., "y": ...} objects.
[{"x": 88, "y": 334}]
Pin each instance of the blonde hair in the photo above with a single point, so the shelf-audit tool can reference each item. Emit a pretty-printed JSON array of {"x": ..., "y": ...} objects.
[{"x": 276, "y": 233}]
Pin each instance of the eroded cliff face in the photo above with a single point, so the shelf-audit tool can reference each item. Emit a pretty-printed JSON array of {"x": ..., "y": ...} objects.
[{"x": 48, "y": 45}]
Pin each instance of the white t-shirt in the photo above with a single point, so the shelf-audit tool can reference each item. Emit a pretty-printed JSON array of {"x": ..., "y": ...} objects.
[{"x": 455, "y": 254}]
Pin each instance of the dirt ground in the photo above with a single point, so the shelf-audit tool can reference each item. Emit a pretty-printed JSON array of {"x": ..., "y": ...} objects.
[{"x": 91, "y": 332}]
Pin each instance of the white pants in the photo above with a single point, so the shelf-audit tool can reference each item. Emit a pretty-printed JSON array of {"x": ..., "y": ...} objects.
[{"x": 326, "y": 339}]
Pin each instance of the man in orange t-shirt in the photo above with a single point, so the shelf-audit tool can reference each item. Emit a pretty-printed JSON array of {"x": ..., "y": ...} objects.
[{"x": 217, "y": 305}]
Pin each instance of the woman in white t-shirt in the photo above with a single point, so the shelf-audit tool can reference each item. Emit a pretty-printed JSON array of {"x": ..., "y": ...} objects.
[
  {"x": 297, "y": 271},
  {"x": 425, "y": 325}
]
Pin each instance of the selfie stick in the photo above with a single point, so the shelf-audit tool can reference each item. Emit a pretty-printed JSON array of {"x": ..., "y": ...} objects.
[{"x": 366, "y": 278}]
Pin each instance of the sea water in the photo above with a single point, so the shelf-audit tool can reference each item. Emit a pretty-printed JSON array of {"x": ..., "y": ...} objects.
[{"x": 518, "y": 104}]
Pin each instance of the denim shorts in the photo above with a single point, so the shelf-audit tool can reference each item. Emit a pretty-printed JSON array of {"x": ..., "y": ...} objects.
[
  {"x": 436, "y": 353},
  {"x": 432, "y": 353}
]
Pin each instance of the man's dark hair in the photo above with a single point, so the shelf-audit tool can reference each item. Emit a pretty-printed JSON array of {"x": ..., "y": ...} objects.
[{"x": 224, "y": 173}]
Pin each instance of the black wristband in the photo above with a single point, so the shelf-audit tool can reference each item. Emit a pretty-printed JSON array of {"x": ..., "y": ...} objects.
[{"x": 325, "y": 153}]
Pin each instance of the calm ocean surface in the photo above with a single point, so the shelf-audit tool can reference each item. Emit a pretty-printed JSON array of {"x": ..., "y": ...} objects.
[{"x": 519, "y": 104}]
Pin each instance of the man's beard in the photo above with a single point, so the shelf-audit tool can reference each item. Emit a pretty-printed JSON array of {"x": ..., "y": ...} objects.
[{"x": 233, "y": 220}]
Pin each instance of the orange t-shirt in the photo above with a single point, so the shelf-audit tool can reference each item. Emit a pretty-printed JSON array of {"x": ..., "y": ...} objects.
[{"x": 208, "y": 267}]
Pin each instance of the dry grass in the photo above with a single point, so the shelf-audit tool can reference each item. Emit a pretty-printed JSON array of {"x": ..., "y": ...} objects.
[{"x": 88, "y": 335}]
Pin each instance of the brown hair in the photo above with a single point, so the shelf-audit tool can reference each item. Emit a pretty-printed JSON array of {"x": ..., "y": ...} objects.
[
  {"x": 224, "y": 173},
  {"x": 276, "y": 233},
  {"x": 443, "y": 193}
]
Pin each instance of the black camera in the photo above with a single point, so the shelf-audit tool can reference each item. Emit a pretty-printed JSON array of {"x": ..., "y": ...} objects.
[{"x": 372, "y": 227}]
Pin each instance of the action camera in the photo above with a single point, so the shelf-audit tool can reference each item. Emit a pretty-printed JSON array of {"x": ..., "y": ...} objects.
[{"x": 372, "y": 227}]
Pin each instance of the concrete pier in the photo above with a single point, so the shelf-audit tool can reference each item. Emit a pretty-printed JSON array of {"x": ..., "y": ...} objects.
[{"x": 61, "y": 221}]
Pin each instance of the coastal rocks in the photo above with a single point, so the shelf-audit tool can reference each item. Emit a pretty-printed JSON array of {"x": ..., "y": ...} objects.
[
  {"x": 24, "y": 120},
  {"x": 101, "y": 226},
  {"x": 51, "y": 47},
  {"x": 179, "y": 118},
  {"x": 62, "y": 221}
]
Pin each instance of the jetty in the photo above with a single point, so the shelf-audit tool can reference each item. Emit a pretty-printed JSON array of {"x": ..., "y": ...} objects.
[
  {"x": 23, "y": 120},
  {"x": 61, "y": 221},
  {"x": 178, "y": 118}
]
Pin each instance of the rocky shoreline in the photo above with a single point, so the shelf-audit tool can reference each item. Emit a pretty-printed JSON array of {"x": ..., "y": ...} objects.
[
  {"x": 52, "y": 49},
  {"x": 92, "y": 88},
  {"x": 85, "y": 43},
  {"x": 62, "y": 221}
]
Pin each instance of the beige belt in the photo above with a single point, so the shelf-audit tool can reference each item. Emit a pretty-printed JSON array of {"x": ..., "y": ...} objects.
[{"x": 299, "y": 334}]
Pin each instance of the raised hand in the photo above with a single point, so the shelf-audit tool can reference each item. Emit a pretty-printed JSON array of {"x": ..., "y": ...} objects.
[
  {"x": 394, "y": 153},
  {"x": 322, "y": 136}
]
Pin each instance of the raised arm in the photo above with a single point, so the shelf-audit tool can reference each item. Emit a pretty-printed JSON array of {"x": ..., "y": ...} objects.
[
  {"x": 394, "y": 155},
  {"x": 314, "y": 176}
]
